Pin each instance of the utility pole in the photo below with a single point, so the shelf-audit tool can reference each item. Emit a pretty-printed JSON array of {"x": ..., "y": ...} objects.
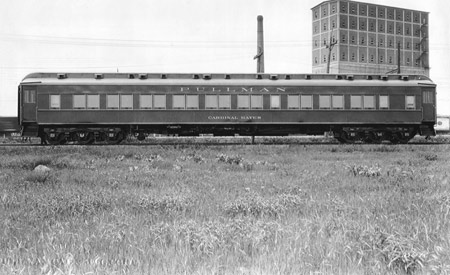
[
  {"x": 332, "y": 42},
  {"x": 260, "y": 46}
]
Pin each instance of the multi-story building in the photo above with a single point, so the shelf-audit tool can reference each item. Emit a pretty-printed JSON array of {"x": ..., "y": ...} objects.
[{"x": 369, "y": 38}]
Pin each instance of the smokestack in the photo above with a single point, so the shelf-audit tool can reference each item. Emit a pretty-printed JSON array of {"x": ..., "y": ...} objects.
[{"x": 260, "y": 46}]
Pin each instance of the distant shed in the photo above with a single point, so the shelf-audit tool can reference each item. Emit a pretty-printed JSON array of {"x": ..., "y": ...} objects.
[
  {"x": 9, "y": 126},
  {"x": 442, "y": 124}
]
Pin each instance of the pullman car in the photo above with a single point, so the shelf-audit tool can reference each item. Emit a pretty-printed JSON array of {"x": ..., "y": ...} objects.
[{"x": 89, "y": 107}]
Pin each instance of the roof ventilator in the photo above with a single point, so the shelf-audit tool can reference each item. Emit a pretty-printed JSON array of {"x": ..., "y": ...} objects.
[
  {"x": 195, "y": 76},
  {"x": 338, "y": 77},
  {"x": 207, "y": 76},
  {"x": 143, "y": 76},
  {"x": 273, "y": 77},
  {"x": 259, "y": 76},
  {"x": 308, "y": 76},
  {"x": 404, "y": 77},
  {"x": 287, "y": 77},
  {"x": 227, "y": 76},
  {"x": 131, "y": 76},
  {"x": 349, "y": 77},
  {"x": 384, "y": 77},
  {"x": 61, "y": 76},
  {"x": 369, "y": 77},
  {"x": 98, "y": 76},
  {"x": 163, "y": 76}
]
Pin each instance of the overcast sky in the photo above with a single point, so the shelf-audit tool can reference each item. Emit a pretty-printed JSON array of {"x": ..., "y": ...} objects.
[{"x": 187, "y": 36}]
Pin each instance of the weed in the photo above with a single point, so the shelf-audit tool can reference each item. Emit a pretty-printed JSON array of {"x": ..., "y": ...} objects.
[{"x": 364, "y": 170}]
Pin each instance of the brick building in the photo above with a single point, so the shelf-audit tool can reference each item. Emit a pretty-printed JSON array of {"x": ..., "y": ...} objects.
[{"x": 367, "y": 38}]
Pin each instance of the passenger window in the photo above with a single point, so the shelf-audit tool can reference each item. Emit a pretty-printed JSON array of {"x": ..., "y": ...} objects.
[
  {"x": 112, "y": 101},
  {"x": 410, "y": 102},
  {"x": 275, "y": 102},
  {"x": 79, "y": 101},
  {"x": 324, "y": 102},
  {"x": 145, "y": 101},
  {"x": 178, "y": 102},
  {"x": 243, "y": 102},
  {"x": 293, "y": 102},
  {"x": 369, "y": 102},
  {"x": 126, "y": 101},
  {"x": 256, "y": 101},
  {"x": 55, "y": 101},
  {"x": 211, "y": 102},
  {"x": 29, "y": 96},
  {"x": 159, "y": 101},
  {"x": 356, "y": 102},
  {"x": 192, "y": 102},
  {"x": 224, "y": 101},
  {"x": 337, "y": 102},
  {"x": 306, "y": 102},
  {"x": 93, "y": 101},
  {"x": 384, "y": 101}
]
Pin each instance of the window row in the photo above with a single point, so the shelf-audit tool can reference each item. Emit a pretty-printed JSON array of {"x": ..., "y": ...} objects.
[{"x": 214, "y": 102}]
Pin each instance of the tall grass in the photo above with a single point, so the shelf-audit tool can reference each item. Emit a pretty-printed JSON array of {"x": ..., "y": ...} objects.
[{"x": 268, "y": 209}]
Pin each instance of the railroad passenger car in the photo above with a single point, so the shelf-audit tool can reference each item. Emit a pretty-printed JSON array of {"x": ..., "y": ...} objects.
[{"x": 93, "y": 107}]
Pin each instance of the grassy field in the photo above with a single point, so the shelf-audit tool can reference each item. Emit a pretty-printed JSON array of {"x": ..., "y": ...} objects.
[{"x": 190, "y": 209}]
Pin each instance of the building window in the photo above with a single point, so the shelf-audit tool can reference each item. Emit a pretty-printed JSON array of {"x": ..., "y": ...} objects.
[
  {"x": 384, "y": 101},
  {"x": 79, "y": 101},
  {"x": 145, "y": 101},
  {"x": 191, "y": 102},
  {"x": 243, "y": 102},
  {"x": 410, "y": 102},
  {"x": 178, "y": 102},
  {"x": 324, "y": 102},
  {"x": 363, "y": 58},
  {"x": 256, "y": 101},
  {"x": 55, "y": 102},
  {"x": 324, "y": 26},
  {"x": 390, "y": 59},
  {"x": 343, "y": 38},
  {"x": 337, "y": 102},
  {"x": 224, "y": 101},
  {"x": 372, "y": 58},
  {"x": 381, "y": 59},
  {"x": 93, "y": 101},
  {"x": 408, "y": 61},
  {"x": 353, "y": 56},
  {"x": 293, "y": 102},
  {"x": 381, "y": 42},
  {"x": 126, "y": 101},
  {"x": 306, "y": 102},
  {"x": 159, "y": 101},
  {"x": 275, "y": 102}
]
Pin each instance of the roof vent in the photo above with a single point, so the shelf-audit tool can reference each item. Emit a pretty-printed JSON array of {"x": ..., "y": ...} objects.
[
  {"x": 287, "y": 77},
  {"x": 98, "y": 76},
  {"x": 227, "y": 76},
  {"x": 259, "y": 76},
  {"x": 207, "y": 76},
  {"x": 338, "y": 77},
  {"x": 308, "y": 76},
  {"x": 143, "y": 76},
  {"x": 383, "y": 77},
  {"x": 273, "y": 77},
  {"x": 404, "y": 77},
  {"x": 131, "y": 76},
  {"x": 163, "y": 76},
  {"x": 195, "y": 76},
  {"x": 61, "y": 76},
  {"x": 349, "y": 77},
  {"x": 369, "y": 77}
]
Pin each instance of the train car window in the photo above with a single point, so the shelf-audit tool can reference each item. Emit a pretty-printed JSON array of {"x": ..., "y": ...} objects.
[
  {"x": 126, "y": 101},
  {"x": 211, "y": 102},
  {"x": 428, "y": 97},
  {"x": 369, "y": 102},
  {"x": 79, "y": 101},
  {"x": 243, "y": 102},
  {"x": 293, "y": 102},
  {"x": 337, "y": 102},
  {"x": 192, "y": 102},
  {"x": 29, "y": 96},
  {"x": 410, "y": 102},
  {"x": 306, "y": 102},
  {"x": 178, "y": 102},
  {"x": 324, "y": 102},
  {"x": 112, "y": 101},
  {"x": 145, "y": 101},
  {"x": 275, "y": 102},
  {"x": 159, "y": 102},
  {"x": 55, "y": 102},
  {"x": 93, "y": 101},
  {"x": 256, "y": 101},
  {"x": 384, "y": 102},
  {"x": 224, "y": 101},
  {"x": 356, "y": 102}
]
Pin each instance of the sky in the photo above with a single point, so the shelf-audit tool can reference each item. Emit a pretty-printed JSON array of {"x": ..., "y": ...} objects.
[{"x": 177, "y": 36}]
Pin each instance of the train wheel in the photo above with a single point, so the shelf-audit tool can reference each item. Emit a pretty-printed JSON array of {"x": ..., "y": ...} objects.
[
  {"x": 85, "y": 137},
  {"x": 55, "y": 138},
  {"x": 115, "y": 138}
]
